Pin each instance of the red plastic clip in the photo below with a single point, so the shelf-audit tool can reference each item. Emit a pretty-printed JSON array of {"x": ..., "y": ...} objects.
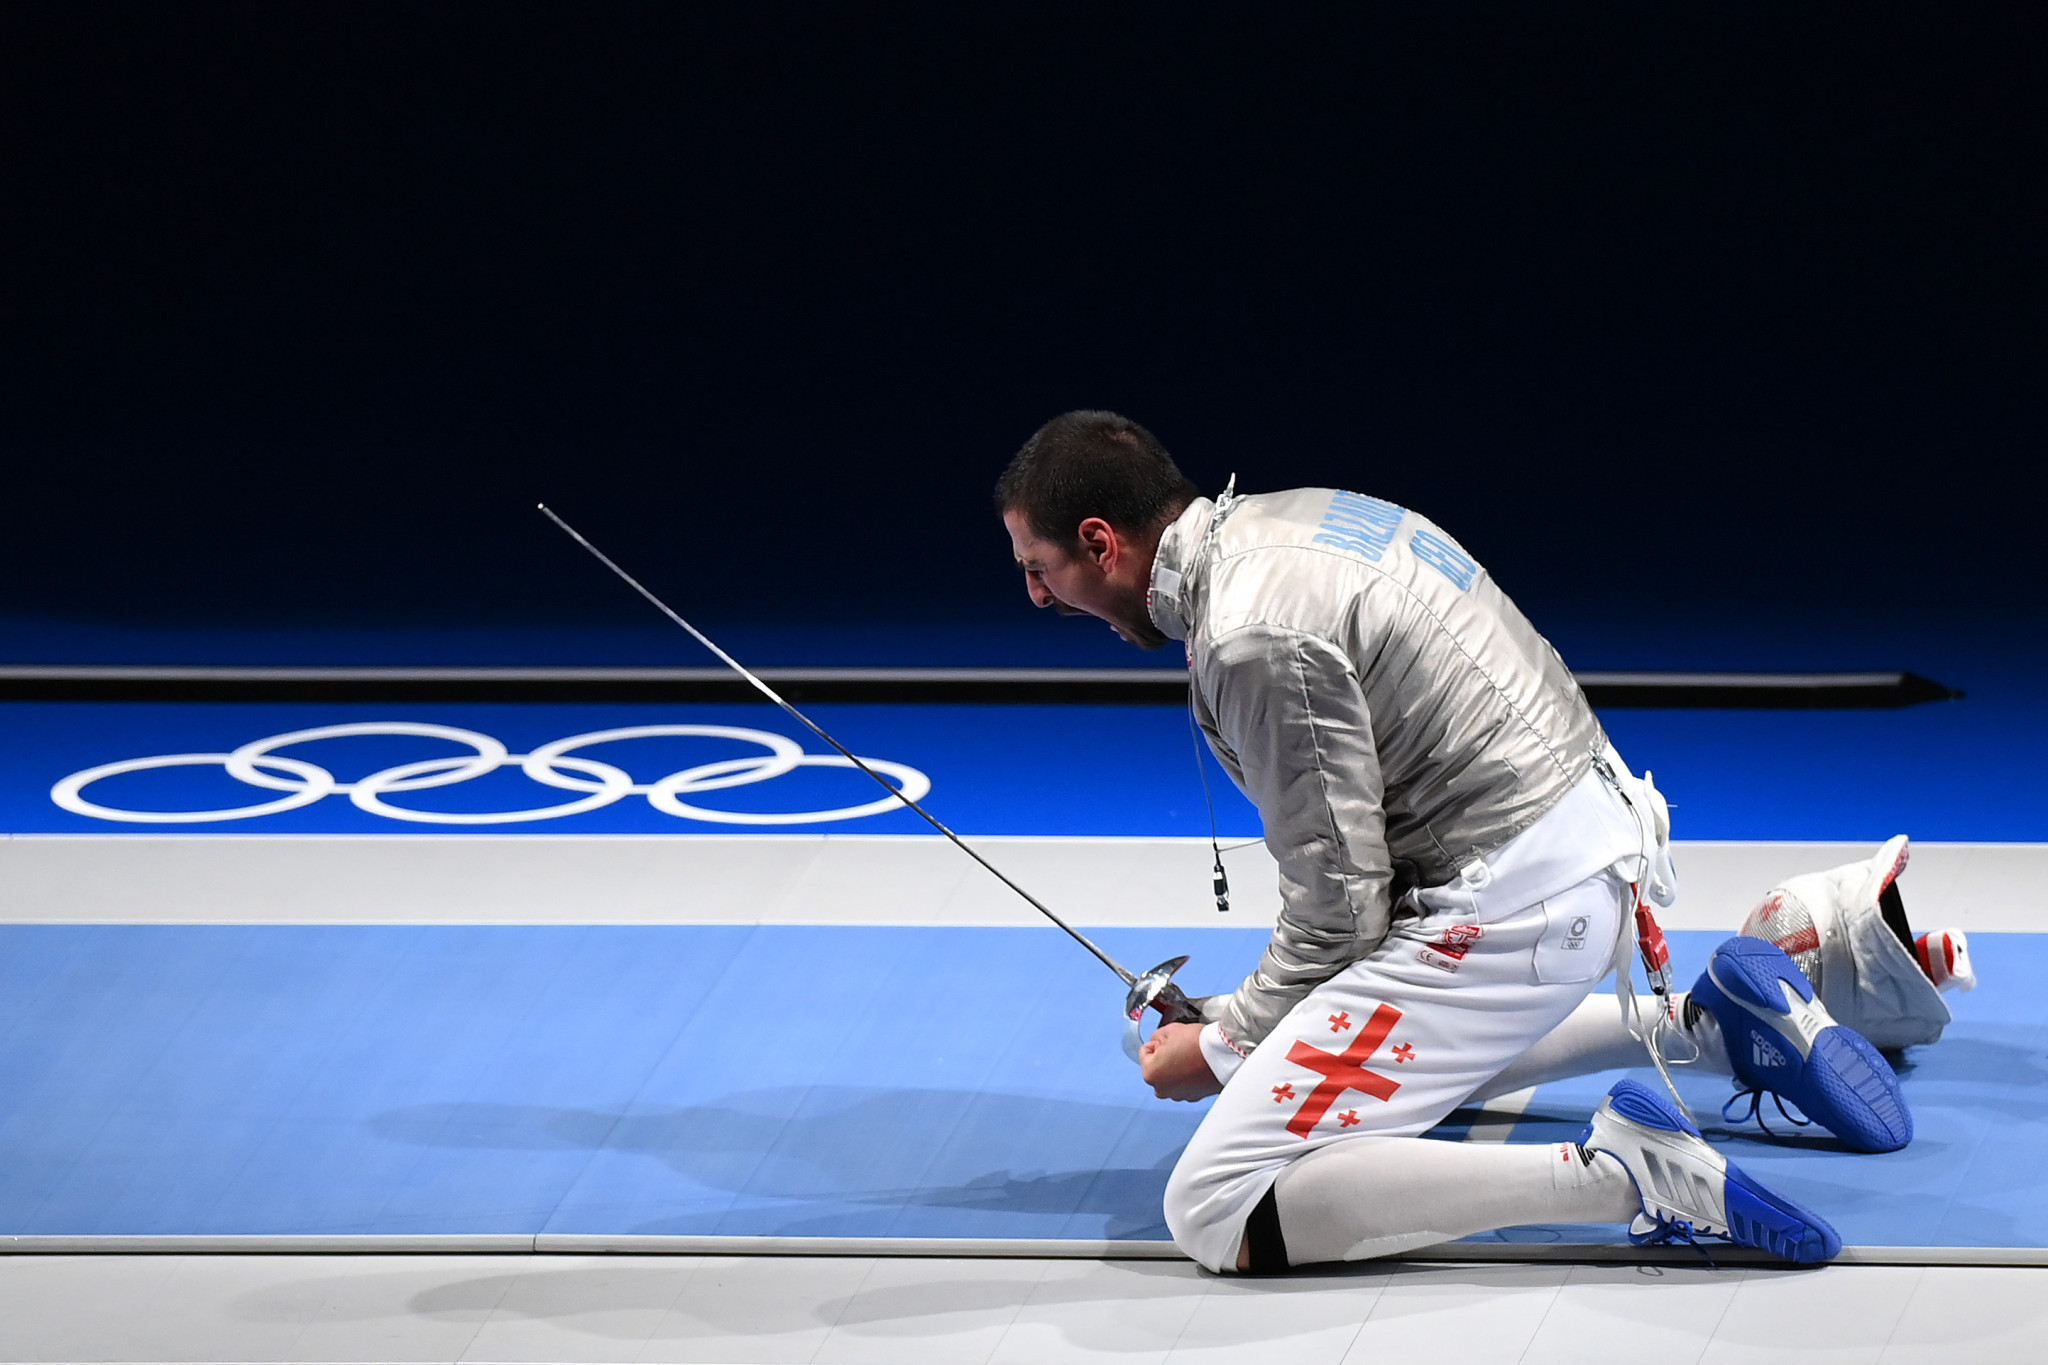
[{"x": 1656, "y": 954}]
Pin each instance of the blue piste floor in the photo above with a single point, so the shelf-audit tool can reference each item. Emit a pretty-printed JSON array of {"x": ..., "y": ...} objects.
[
  {"x": 705, "y": 1080},
  {"x": 858, "y": 1081}
]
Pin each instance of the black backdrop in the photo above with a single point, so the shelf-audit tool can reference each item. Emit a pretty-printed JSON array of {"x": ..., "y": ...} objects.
[{"x": 305, "y": 305}]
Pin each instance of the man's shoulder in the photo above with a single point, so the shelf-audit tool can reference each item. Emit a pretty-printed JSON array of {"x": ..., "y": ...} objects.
[
  {"x": 1321, "y": 520},
  {"x": 1347, "y": 569},
  {"x": 1322, "y": 531},
  {"x": 1276, "y": 514},
  {"x": 1275, "y": 552}
]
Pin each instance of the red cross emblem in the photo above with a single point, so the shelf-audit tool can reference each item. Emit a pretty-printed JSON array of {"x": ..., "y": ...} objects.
[
  {"x": 1282, "y": 1093},
  {"x": 1347, "y": 1118},
  {"x": 1404, "y": 1053},
  {"x": 1340, "y": 1022},
  {"x": 1340, "y": 1071}
]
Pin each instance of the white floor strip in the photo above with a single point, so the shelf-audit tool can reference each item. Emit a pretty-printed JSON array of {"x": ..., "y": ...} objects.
[
  {"x": 1019, "y": 1248},
  {"x": 827, "y": 879},
  {"x": 848, "y": 1310}
]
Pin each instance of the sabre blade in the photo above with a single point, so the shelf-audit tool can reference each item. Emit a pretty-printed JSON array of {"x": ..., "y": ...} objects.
[{"x": 1127, "y": 977}]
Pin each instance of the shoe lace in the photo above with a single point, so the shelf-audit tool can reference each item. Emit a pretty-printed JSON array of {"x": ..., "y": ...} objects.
[
  {"x": 1755, "y": 1095},
  {"x": 1677, "y": 1230}
]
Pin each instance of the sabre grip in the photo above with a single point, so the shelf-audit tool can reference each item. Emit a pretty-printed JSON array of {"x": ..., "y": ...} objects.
[{"x": 1174, "y": 1006}]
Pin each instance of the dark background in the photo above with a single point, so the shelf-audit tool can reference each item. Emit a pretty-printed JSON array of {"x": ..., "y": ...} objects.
[{"x": 306, "y": 305}]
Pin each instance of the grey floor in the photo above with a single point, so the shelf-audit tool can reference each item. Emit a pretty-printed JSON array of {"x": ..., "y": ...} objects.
[{"x": 911, "y": 1311}]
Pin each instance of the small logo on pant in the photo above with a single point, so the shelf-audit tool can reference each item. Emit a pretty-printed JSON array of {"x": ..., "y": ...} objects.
[{"x": 1447, "y": 952}]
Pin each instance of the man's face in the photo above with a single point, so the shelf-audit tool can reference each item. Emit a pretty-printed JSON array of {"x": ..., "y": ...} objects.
[{"x": 1106, "y": 576}]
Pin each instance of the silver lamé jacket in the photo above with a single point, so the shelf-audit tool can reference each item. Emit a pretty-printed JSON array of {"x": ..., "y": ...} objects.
[{"x": 1377, "y": 696}]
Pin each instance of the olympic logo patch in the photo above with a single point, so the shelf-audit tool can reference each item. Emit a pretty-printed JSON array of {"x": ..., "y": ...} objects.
[{"x": 257, "y": 764}]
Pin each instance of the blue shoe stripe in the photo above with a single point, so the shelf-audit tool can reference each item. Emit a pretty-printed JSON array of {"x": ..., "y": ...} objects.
[
  {"x": 1758, "y": 972},
  {"x": 1770, "y": 1222},
  {"x": 1851, "y": 1079},
  {"x": 1643, "y": 1105}
]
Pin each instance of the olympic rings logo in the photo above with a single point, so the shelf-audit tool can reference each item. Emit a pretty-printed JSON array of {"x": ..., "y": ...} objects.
[{"x": 553, "y": 765}]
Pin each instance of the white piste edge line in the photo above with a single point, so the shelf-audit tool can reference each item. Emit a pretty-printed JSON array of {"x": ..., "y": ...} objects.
[{"x": 1021, "y": 1248}]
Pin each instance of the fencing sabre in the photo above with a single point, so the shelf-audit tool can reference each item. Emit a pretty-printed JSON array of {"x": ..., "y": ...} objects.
[{"x": 1153, "y": 989}]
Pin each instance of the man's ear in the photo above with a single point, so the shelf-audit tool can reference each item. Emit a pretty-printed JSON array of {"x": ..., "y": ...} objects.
[{"x": 1100, "y": 544}]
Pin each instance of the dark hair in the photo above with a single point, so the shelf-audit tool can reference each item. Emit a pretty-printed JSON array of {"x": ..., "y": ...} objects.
[{"x": 1093, "y": 464}]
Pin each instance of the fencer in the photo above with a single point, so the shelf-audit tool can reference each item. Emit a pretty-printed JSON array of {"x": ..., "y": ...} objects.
[{"x": 1460, "y": 853}]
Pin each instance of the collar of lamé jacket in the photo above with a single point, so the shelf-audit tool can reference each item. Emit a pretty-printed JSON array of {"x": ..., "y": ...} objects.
[{"x": 1181, "y": 561}]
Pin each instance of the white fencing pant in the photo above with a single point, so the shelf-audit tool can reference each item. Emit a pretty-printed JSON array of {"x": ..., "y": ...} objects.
[
  {"x": 1596, "y": 1038},
  {"x": 1392, "y": 1044}
]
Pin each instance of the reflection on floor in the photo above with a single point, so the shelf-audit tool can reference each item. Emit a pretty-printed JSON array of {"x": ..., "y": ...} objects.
[{"x": 909, "y": 1311}]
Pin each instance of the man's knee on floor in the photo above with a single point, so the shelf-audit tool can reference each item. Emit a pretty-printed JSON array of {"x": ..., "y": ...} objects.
[
  {"x": 1263, "y": 1250},
  {"x": 1182, "y": 1206},
  {"x": 1194, "y": 1215},
  {"x": 1212, "y": 1230}
]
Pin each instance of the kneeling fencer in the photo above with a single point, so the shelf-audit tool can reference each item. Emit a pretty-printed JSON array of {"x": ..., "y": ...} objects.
[{"x": 1462, "y": 856}]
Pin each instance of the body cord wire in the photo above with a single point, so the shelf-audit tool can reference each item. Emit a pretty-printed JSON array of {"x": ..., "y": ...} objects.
[{"x": 1219, "y": 879}]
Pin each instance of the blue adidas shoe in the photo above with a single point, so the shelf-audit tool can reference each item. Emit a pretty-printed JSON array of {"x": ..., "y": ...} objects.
[
  {"x": 1689, "y": 1190},
  {"x": 1782, "y": 1040}
]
